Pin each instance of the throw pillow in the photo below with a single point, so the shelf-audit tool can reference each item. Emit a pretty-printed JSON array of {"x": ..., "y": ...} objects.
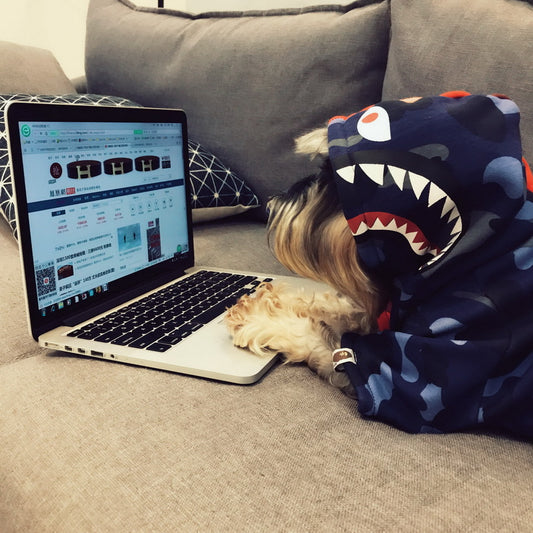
[
  {"x": 216, "y": 191},
  {"x": 251, "y": 81}
]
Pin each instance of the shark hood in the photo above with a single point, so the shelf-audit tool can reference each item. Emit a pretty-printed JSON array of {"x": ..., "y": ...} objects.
[
  {"x": 438, "y": 197},
  {"x": 412, "y": 173}
]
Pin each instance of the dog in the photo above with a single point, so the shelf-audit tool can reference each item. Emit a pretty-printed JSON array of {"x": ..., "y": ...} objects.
[
  {"x": 421, "y": 221},
  {"x": 303, "y": 327}
]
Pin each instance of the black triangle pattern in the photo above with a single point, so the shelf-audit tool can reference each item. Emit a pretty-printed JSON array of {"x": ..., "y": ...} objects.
[{"x": 215, "y": 185}]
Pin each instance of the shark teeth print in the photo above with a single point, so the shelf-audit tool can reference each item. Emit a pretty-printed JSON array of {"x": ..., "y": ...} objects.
[
  {"x": 387, "y": 222},
  {"x": 423, "y": 189}
]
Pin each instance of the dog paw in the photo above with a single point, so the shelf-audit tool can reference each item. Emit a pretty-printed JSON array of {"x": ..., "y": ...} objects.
[
  {"x": 274, "y": 320},
  {"x": 247, "y": 322}
]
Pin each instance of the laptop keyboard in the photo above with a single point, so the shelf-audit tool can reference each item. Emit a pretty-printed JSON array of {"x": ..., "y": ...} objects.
[{"x": 166, "y": 317}]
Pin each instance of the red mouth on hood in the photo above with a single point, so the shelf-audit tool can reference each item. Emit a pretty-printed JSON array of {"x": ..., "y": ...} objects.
[{"x": 376, "y": 220}]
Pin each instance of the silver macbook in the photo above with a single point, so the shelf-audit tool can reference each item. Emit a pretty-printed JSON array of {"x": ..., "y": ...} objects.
[{"x": 105, "y": 233}]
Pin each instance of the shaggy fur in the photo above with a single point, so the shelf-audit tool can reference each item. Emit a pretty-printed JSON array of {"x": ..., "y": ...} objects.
[
  {"x": 304, "y": 328},
  {"x": 308, "y": 234}
]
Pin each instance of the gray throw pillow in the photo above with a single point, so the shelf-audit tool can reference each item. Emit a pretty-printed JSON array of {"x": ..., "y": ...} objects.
[{"x": 249, "y": 81}]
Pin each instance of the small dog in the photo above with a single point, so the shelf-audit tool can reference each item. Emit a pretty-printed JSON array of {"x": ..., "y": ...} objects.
[
  {"x": 309, "y": 235},
  {"x": 421, "y": 221}
]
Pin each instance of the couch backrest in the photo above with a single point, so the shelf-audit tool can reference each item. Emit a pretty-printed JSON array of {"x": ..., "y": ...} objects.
[
  {"x": 250, "y": 82},
  {"x": 26, "y": 69},
  {"x": 481, "y": 46}
]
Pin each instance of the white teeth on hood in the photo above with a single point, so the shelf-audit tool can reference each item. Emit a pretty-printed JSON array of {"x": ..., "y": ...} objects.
[
  {"x": 448, "y": 206},
  {"x": 454, "y": 213},
  {"x": 376, "y": 172},
  {"x": 379, "y": 225},
  {"x": 441, "y": 254},
  {"x": 347, "y": 173},
  {"x": 416, "y": 240},
  {"x": 458, "y": 228},
  {"x": 419, "y": 183},
  {"x": 455, "y": 217},
  {"x": 363, "y": 228},
  {"x": 398, "y": 175},
  {"x": 436, "y": 194}
]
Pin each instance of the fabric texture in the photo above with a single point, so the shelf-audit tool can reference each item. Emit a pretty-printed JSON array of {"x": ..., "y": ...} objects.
[
  {"x": 484, "y": 47},
  {"x": 249, "y": 82},
  {"x": 435, "y": 193},
  {"x": 31, "y": 70},
  {"x": 108, "y": 447},
  {"x": 216, "y": 191}
]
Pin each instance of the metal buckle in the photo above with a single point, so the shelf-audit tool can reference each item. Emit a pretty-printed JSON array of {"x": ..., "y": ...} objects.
[{"x": 341, "y": 356}]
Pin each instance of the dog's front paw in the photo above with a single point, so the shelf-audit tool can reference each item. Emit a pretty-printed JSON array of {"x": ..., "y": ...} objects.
[
  {"x": 274, "y": 320},
  {"x": 248, "y": 323}
]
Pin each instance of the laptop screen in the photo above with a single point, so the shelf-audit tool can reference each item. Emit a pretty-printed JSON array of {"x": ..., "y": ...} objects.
[{"x": 105, "y": 201}]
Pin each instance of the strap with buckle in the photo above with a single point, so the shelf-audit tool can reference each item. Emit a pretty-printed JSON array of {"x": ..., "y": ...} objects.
[{"x": 340, "y": 356}]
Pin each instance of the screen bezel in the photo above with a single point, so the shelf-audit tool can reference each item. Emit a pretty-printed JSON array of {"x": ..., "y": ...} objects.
[{"x": 120, "y": 290}]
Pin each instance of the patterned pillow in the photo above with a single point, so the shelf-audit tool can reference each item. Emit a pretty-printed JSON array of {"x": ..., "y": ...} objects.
[{"x": 216, "y": 191}]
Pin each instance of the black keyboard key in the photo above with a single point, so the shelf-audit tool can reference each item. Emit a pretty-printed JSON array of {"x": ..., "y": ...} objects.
[
  {"x": 171, "y": 339},
  {"x": 158, "y": 347},
  {"x": 125, "y": 339},
  {"x": 145, "y": 340},
  {"x": 90, "y": 334},
  {"x": 213, "y": 312},
  {"x": 109, "y": 336},
  {"x": 86, "y": 335}
]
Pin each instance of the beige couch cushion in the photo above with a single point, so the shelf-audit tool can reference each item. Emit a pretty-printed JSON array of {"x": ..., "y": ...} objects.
[
  {"x": 91, "y": 446},
  {"x": 26, "y": 69}
]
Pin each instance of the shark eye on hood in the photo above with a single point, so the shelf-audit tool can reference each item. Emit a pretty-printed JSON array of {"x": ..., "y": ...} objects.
[{"x": 374, "y": 125}]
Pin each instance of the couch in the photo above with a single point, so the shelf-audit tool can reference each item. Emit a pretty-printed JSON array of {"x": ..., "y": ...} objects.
[{"x": 91, "y": 446}]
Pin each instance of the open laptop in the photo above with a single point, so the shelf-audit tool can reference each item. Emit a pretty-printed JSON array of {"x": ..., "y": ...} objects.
[{"x": 104, "y": 222}]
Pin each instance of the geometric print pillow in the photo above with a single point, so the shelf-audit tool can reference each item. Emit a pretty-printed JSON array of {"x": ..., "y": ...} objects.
[{"x": 216, "y": 191}]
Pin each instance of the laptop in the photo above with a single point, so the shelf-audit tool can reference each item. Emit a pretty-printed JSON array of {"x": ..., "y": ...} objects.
[{"x": 106, "y": 239}]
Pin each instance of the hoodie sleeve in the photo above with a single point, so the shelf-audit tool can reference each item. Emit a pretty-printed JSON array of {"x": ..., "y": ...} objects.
[{"x": 426, "y": 385}]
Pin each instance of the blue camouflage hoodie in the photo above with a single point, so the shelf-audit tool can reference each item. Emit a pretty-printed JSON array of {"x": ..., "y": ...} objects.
[{"x": 438, "y": 197}]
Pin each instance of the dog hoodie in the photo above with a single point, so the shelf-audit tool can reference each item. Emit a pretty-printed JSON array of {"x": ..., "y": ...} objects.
[{"x": 439, "y": 199}]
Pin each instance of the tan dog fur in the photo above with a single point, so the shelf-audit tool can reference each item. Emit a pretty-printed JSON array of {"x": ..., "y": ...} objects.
[{"x": 308, "y": 234}]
